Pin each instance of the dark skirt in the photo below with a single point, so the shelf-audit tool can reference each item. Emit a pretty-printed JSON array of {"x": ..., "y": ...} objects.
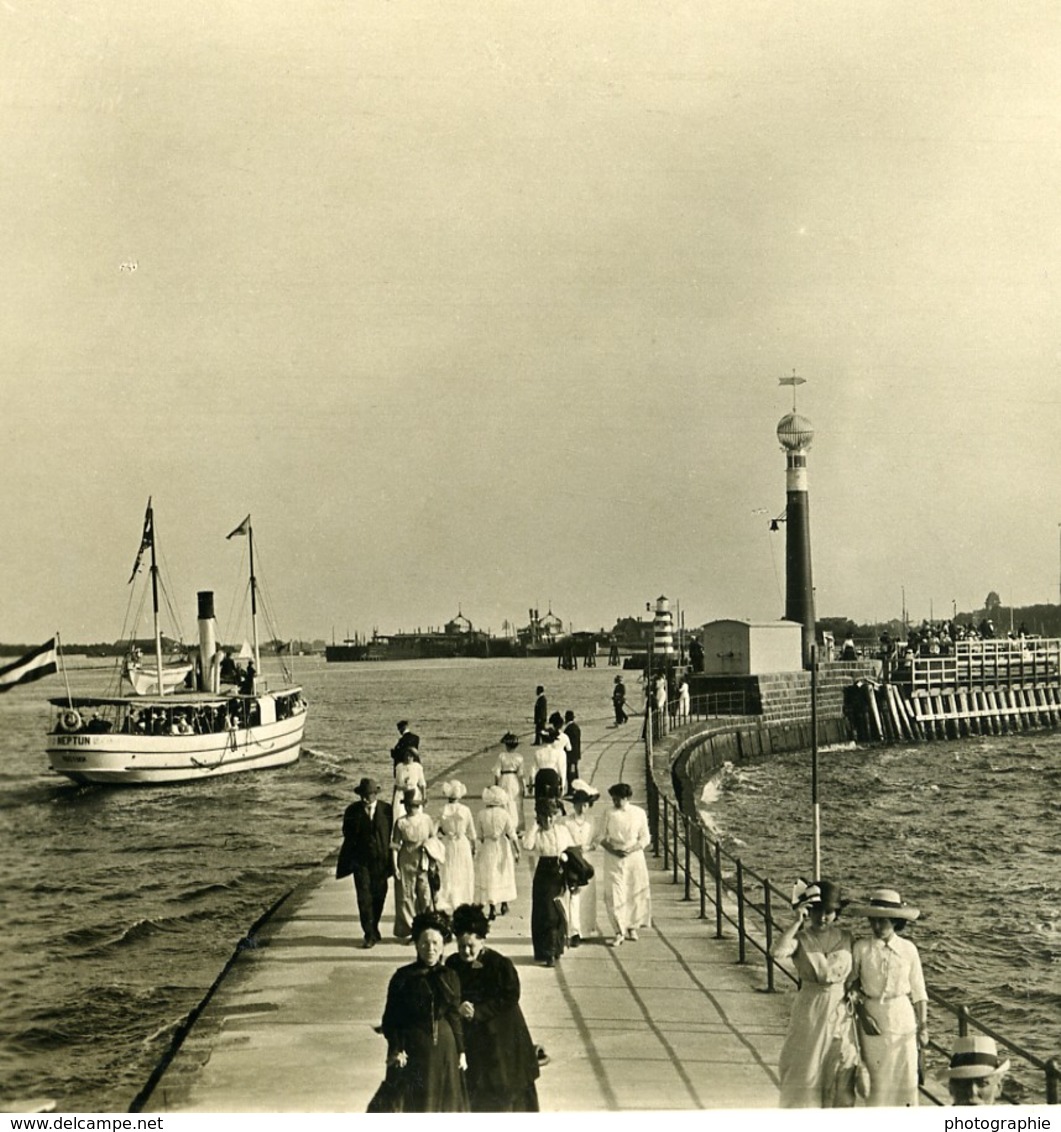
[
  {"x": 432, "y": 1080},
  {"x": 548, "y": 920}
]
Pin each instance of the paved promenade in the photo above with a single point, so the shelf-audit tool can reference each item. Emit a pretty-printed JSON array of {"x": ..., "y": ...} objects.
[{"x": 670, "y": 1022}]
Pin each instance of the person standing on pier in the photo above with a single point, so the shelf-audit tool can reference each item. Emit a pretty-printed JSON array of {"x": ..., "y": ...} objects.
[
  {"x": 547, "y": 839},
  {"x": 574, "y": 751},
  {"x": 495, "y": 863},
  {"x": 412, "y": 889},
  {"x": 624, "y": 839},
  {"x": 457, "y": 829},
  {"x": 541, "y": 716},
  {"x": 508, "y": 774},
  {"x": 582, "y": 899},
  {"x": 408, "y": 775},
  {"x": 619, "y": 701},
  {"x": 893, "y": 1019},
  {"x": 976, "y": 1071},
  {"x": 817, "y": 1065},
  {"x": 406, "y": 739},
  {"x": 365, "y": 855}
]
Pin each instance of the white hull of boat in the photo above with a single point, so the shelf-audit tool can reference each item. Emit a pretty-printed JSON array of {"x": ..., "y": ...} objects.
[{"x": 155, "y": 759}]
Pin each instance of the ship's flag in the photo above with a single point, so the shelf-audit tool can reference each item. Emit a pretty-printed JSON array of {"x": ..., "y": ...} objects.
[
  {"x": 793, "y": 380},
  {"x": 242, "y": 529},
  {"x": 146, "y": 539},
  {"x": 40, "y": 662}
]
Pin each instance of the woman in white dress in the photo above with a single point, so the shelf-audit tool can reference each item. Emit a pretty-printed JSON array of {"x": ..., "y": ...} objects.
[
  {"x": 457, "y": 828},
  {"x": 582, "y": 902},
  {"x": 412, "y": 889},
  {"x": 508, "y": 774},
  {"x": 498, "y": 853},
  {"x": 817, "y": 1064},
  {"x": 893, "y": 1018},
  {"x": 408, "y": 775},
  {"x": 624, "y": 839}
]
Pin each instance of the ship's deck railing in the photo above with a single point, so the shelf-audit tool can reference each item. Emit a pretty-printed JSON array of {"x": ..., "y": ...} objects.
[
  {"x": 1029, "y": 660},
  {"x": 737, "y": 895}
]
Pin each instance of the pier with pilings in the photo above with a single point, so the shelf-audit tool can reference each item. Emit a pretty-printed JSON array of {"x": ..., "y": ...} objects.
[{"x": 982, "y": 687}]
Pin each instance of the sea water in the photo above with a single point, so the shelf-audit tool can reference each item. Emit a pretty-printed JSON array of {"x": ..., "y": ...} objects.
[{"x": 121, "y": 905}]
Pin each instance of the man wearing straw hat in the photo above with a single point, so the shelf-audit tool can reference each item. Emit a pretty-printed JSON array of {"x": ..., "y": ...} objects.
[
  {"x": 976, "y": 1071},
  {"x": 366, "y": 855}
]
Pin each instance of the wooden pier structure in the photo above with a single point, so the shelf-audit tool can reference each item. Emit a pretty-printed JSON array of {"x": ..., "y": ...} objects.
[{"x": 982, "y": 687}]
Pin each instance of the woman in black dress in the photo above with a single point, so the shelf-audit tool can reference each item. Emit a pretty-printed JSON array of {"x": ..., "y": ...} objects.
[
  {"x": 502, "y": 1059},
  {"x": 548, "y": 841},
  {"x": 422, "y": 1025}
]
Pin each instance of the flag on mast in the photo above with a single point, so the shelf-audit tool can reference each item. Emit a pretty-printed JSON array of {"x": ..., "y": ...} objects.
[
  {"x": 34, "y": 665},
  {"x": 146, "y": 539},
  {"x": 242, "y": 529},
  {"x": 793, "y": 380}
]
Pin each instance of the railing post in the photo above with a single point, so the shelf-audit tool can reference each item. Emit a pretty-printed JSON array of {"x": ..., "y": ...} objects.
[
  {"x": 674, "y": 852},
  {"x": 1053, "y": 1078},
  {"x": 769, "y": 935},
  {"x": 665, "y": 839},
  {"x": 718, "y": 889},
  {"x": 703, "y": 879},
  {"x": 741, "y": 946},
  {"x": 688, "y": 852},
  {"x": 963, "y": 1021}
]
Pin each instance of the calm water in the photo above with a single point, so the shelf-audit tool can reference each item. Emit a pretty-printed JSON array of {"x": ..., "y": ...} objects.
[
  {"x": 966, "y": 831},
  {"x": 120, "y": 906}
]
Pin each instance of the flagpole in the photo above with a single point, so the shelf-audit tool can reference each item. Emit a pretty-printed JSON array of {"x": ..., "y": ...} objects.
[
  {"x": 62, "y": 665},
  {"x": 254, "y": 601},
  {"x": 814, "y": 761}
]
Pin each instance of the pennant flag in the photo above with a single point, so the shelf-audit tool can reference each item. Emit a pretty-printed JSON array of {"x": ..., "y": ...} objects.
[
  {"x": 242, "y": 529},
  {"x": 40, "y": 662},
  {"x": 146, "y": 539},
  {"x": 793, "y": 380}
]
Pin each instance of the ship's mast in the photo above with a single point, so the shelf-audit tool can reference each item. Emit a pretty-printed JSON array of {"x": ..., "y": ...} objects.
[
  {"x": 254, "y": 600},
  {"x": 150, "y": 524}
]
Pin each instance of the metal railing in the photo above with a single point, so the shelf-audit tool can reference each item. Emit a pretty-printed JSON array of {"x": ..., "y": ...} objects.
[
  {"x": 745, "y": 900},
  {"x": 712, "y": 705}
]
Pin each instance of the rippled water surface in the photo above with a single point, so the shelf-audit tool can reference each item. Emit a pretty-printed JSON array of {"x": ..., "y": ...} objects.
[{"x": 967, "y": 831}]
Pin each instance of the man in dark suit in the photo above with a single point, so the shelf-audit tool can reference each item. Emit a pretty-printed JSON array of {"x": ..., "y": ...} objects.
[
  {"x": 406, "y": 739},
  {"x": 366, "y": 855},
  {"x": 574, "y": 754},
  {"x": 541, "y": 717}
]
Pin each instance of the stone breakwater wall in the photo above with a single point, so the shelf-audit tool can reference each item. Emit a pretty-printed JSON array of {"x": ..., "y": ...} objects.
[{"x": 781, "y": 702}]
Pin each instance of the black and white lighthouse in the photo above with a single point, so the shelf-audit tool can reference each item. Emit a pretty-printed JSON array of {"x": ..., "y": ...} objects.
[{"x": 795, "y": 433}]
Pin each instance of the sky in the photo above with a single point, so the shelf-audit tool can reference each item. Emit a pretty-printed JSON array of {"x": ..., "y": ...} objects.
[{"x": 484, "y": 306}]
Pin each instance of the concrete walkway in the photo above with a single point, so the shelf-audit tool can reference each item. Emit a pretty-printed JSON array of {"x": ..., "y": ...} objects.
[{"x": 670, "y": 1022}]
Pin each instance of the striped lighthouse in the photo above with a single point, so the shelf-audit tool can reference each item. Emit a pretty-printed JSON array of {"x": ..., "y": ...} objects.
[{"x": 663, "y": 630}]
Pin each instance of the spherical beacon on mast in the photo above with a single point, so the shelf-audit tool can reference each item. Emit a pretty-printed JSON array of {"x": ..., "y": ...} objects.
[{"x": 795, "y": 433}]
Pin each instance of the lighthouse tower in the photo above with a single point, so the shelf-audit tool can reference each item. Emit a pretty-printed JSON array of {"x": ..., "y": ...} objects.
[
  {"x": 663, "y": 630},
  {"x": 795, "y": 433}
]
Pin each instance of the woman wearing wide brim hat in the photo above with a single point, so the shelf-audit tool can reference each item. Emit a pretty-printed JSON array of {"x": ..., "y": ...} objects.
[
  {"x": 817, "y": 1064},
  {"x": 893, "y": 1019},
  {"x": 508, "y": 774},
  {"x": 582, "y": 901},
  {"x": 495, "y": 861}
]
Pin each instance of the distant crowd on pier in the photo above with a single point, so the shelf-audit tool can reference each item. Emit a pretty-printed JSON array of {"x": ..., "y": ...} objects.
[{"x": 930, "y": 638}]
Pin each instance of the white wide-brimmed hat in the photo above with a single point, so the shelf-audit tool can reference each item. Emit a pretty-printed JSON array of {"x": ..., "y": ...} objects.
[
  {"x": 454, "y": 789},
  {"x": 495, "y": 796},
  {"x": 884, "y": 904}
]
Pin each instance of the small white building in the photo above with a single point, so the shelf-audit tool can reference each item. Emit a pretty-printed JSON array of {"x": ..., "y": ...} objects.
[{"x": 747, "y": 648}]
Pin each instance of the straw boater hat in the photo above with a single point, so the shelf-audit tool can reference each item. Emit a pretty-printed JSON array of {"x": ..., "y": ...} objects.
[
  {"x": 884, "y": 904},
  {"x": 367, "y": 787},
  {"x": 824, "y": 894},
  {"x": 495, "y": 796},
  {"x": 975, "y": 1056},
  {"x": 454, "y": 789}
]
